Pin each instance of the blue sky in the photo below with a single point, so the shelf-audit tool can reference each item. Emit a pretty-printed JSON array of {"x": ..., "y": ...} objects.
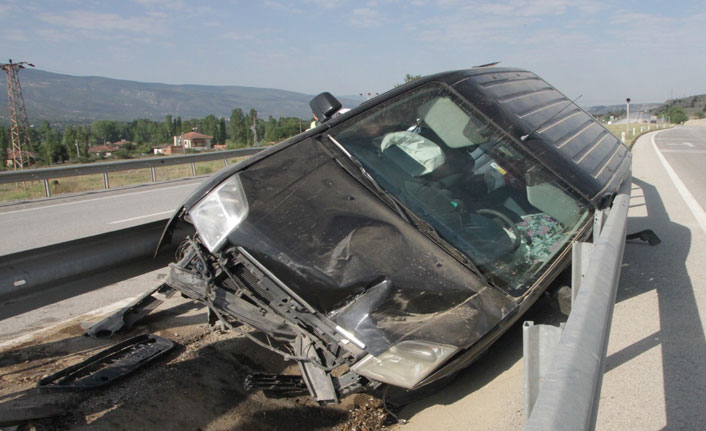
[{"x": 605, "y": 51}]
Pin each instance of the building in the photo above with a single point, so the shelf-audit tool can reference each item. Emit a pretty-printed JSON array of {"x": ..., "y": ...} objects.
[
  {"x": 105, "y": 150},
  {"x": 168, "y": 149},
  {"x": 193, "y": 141}
]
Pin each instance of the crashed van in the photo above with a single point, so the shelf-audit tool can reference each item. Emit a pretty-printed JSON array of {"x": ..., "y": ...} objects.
[{"x": 393, "y": 244}]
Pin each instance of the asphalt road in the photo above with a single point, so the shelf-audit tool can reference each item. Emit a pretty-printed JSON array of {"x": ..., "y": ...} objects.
[{"x": 32, "y": 224}]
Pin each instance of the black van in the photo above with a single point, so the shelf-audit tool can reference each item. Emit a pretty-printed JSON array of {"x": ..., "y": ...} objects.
[{"x": 392, "y": 244}]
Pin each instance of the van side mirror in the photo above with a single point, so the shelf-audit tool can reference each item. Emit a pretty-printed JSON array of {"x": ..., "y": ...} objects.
[{"x": 324, "y": 106}]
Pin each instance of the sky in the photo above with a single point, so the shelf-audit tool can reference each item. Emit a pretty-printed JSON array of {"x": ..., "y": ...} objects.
[{"x": 603, "y": 51}]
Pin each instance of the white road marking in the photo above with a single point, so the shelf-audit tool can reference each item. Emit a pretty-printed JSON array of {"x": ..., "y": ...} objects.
[
  {"x": 139, "y": 217},
  {"x": 160, "y": 190},
  {"x": 684, "y": 151},
  {"x": 688, "y": 144},
  {"x": 691, "y": 202}
]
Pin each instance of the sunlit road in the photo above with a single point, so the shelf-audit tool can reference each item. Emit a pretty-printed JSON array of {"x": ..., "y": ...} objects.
[{"x": 50, "y": 221}]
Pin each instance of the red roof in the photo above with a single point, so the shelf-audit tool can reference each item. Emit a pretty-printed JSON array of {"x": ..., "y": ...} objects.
[
  {"x": 101, "y": 149},
  {"x": 196, "y": 135}
]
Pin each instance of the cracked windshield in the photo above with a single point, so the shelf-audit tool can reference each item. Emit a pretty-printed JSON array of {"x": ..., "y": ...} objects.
[{"x": 457, "y": 171}]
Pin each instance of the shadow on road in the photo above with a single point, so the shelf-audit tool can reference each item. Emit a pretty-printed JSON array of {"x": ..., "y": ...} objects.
[{"x": 681, "y": 335}]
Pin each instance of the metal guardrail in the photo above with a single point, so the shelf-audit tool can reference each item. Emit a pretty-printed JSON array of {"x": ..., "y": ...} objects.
[
  {"x": 569, "y": 394},
  {"x": 33, "y": 270},
  {"x": 45, "y": 174}
]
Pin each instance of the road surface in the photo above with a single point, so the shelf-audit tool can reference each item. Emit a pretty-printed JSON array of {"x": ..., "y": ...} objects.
[{"x": 29, "y": 225}]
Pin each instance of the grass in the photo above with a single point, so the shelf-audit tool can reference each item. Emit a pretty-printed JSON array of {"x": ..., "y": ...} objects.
[
  {"x": 630, "y": 138},
  {"x": 84, "y": 183}
]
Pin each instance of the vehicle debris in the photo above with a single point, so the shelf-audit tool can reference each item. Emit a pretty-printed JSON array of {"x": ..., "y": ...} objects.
[
  {"x": 393, "y": 244},
  {"x": 108, "y": 365},
  {"x": 646, "y": 235},
  {"x": 126, "y": 317}
]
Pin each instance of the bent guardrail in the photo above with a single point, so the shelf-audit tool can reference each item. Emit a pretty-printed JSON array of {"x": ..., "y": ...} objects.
[
  {"x": 29, "y": 271},
  {"x": 45, "y": 174},
  {"x": 569, "y": 394}
]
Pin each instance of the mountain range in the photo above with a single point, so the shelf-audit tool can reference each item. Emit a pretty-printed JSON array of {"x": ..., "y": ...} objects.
[{"x": 79, "y": 99}]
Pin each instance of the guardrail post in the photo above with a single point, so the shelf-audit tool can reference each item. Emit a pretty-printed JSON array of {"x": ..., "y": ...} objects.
[
  {"x": 154, "y": 174},
  {"x": 225, "y": 162},
  {"x": 538, "y": 345},
  {"x": 106, "y": 183},
  {"x": 193, "y": 169},
  {"x": 47, "y": 190}
]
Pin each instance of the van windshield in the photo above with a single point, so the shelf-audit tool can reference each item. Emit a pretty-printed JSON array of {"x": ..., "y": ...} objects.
[{"x": 455, "y": 169}]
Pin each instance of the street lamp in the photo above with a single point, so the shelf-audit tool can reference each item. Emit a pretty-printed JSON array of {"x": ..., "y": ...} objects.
[{"x": 627, "y": 128}]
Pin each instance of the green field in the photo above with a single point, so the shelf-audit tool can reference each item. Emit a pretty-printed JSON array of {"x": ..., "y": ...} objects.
[{"x": 618, "y": 130}]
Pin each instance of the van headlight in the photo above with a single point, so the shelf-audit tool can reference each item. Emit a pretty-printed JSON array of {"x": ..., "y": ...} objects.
[
  {"x": 404, "y": 364},
  {"x": 220, "y": 212}
]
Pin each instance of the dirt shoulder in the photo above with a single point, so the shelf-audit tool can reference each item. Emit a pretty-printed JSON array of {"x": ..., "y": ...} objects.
[{"x": 197, "y": 386}]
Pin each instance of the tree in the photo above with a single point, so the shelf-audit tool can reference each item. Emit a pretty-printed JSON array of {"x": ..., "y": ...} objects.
[
  {"x": 170, "y": 125},
  {"x": 4, "y": 145},
  {"x": 677, "y": 115},
  {"x": 409, "y": 78},
  {"x": 69, "y": 142},
  {"x": 210, "y": 124},
  {"x": 272, "y": 130},
  {"x": 51, "y": 148},
  {"x": 238, "y": 131},
  {"x": 105, "y": 131},
  {"x": 221, "y": 133}
]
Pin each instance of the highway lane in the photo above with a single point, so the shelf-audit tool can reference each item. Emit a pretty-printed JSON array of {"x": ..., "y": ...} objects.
[
  {"x": 684, "y": 150},
  {"x": 29, "y": 225}
]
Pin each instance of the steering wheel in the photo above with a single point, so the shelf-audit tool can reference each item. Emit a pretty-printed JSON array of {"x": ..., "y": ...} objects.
[{"x": 509, "y": 223}]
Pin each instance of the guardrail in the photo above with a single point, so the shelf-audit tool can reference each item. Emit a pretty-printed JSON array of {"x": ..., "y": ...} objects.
[
  {"x": 45, "y": 174},
  {"x": 568, "y": 396},
  {"x": 33, "y": 270}
]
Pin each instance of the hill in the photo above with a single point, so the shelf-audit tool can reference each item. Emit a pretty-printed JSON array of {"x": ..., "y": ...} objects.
[
  {"x": 694, "y": 106},
  {"x": 611, "y": 109},
  {"x": 65, "y": 98}
]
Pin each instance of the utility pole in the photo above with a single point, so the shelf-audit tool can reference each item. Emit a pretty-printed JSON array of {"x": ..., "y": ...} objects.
[
  {"x": 627, "y": 128},
  {"x": 19, "y": 124},
  {"x": 254, "y": 129}
]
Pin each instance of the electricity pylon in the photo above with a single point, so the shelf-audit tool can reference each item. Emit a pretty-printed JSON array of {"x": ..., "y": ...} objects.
[{"x": 19, "y": 124}]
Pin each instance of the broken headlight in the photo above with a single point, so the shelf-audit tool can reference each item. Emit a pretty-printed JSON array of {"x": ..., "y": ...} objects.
[
  {"x": 220, "y": 212},
  {"x": 404, "y": 364}
]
